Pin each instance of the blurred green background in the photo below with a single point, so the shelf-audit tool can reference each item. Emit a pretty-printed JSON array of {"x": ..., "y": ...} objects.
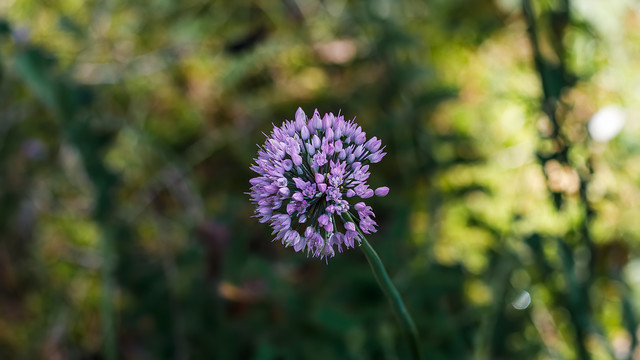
[{"x": 127, "y": 129}]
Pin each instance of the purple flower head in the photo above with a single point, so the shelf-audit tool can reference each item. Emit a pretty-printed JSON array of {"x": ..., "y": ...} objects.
[{"x": 312, "y": 176}]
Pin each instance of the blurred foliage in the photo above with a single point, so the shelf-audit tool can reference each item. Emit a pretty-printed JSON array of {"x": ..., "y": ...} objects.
[{"x": 127, "y": 130}]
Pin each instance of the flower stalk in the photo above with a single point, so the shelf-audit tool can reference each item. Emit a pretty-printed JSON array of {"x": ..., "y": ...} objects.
[{"x": 402, "y": 314}]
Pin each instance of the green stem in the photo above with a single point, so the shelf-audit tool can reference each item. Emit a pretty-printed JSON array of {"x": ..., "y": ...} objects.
[{"x": 392, "y": 294}]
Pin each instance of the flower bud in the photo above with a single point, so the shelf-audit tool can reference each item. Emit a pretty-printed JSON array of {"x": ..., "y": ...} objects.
[
  {"x": 382, "y": 191},
  {"x": 304, "y": 133}
]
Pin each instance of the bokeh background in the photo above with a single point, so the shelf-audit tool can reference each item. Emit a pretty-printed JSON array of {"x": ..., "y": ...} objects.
[{"x": 127, "y": 128}]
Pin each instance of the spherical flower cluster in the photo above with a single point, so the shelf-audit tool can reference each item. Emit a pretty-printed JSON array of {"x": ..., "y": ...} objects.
[{"x": 310, "y": 171}]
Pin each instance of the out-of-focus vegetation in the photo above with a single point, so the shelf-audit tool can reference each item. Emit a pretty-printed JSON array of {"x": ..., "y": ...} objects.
[{"x": 127, "y": 129}]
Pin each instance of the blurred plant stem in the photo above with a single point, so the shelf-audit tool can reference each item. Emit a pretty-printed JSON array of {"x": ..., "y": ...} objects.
[
  {"x": 556, "y": 79},
  {"x": 392, "y": 294},
  {"x": 106, "y": 301}
]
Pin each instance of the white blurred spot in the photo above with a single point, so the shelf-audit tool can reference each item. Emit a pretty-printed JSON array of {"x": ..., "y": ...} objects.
[
  {"x": 337, "y": 51},
  {"x": 632, "y": 272},
  {"x": 606, "y": 123},
  {"x": 523, "y": 301}
]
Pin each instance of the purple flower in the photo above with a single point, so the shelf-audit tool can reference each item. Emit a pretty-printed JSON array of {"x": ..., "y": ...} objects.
[{"x": 310, "y": 170}]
